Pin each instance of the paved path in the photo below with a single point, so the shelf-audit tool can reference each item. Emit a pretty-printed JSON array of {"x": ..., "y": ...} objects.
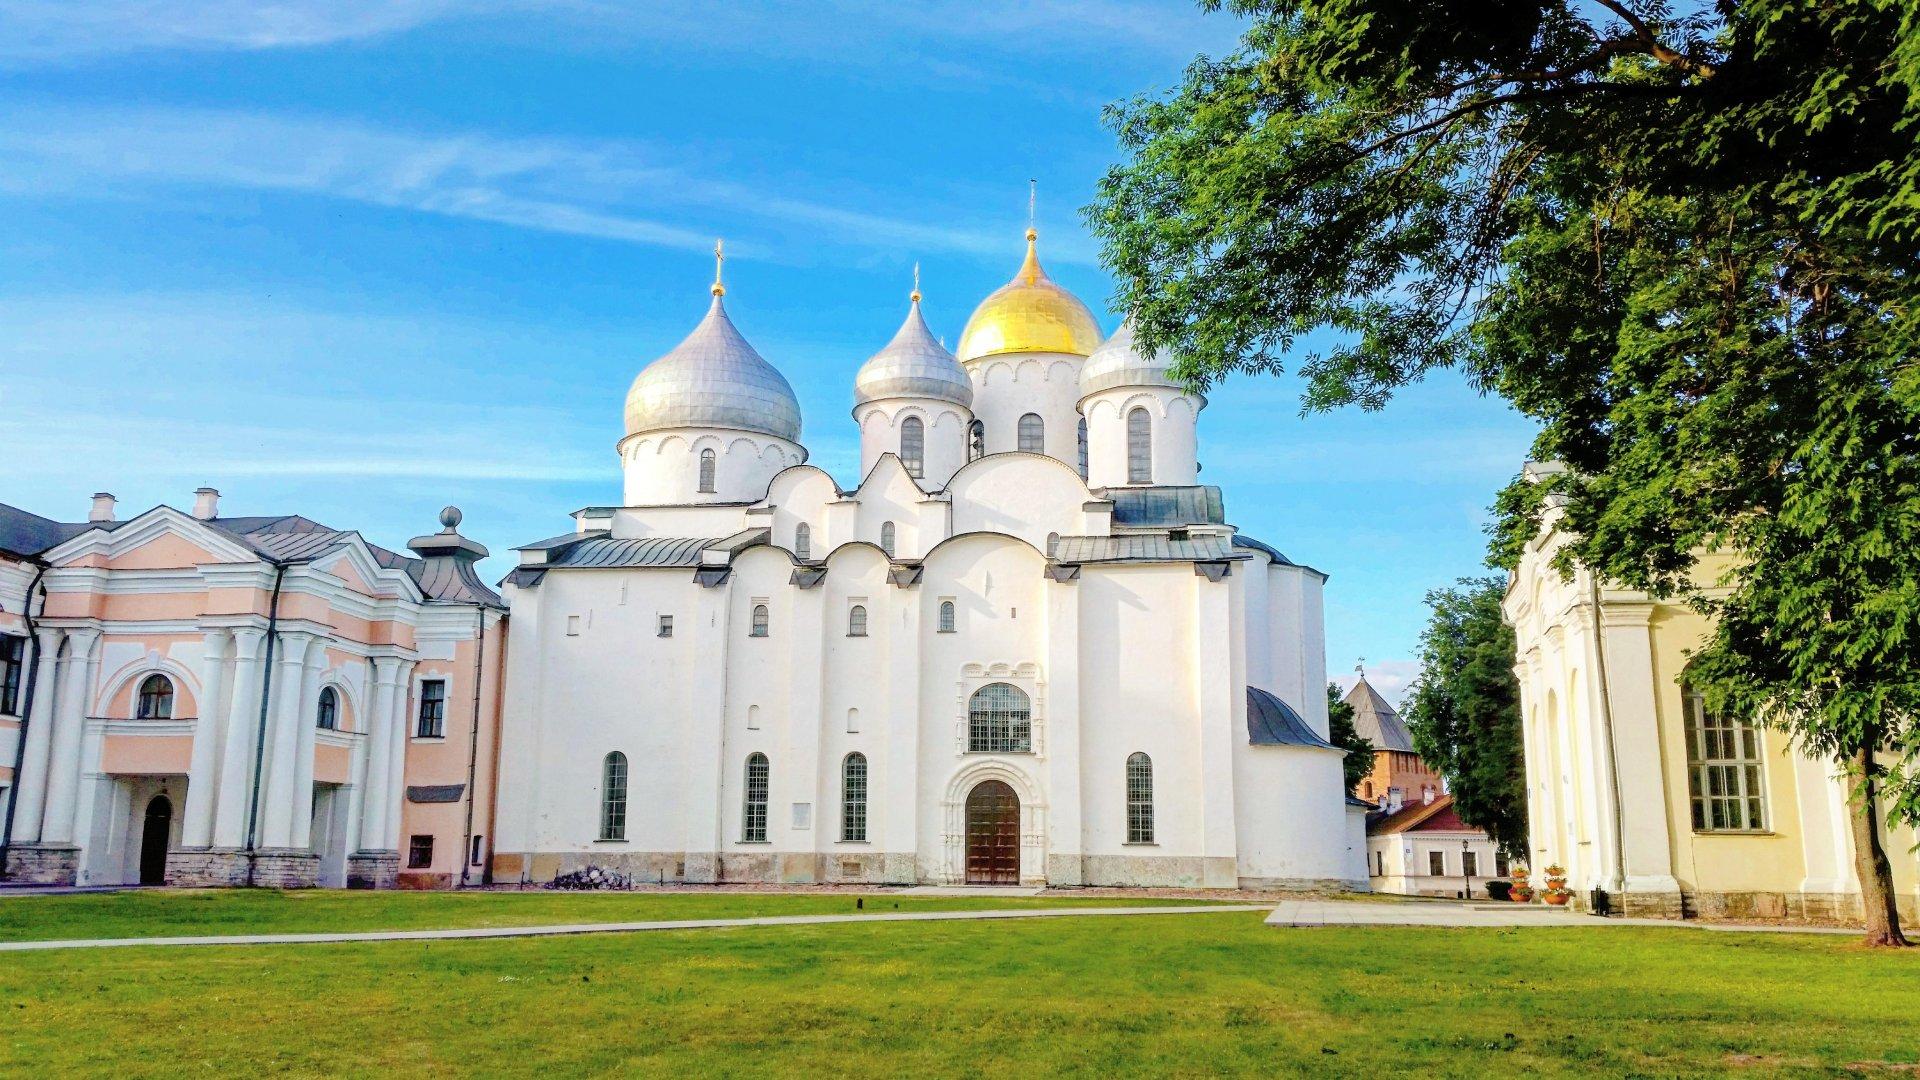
[
  {"x": 1427, "y": 913},
  {"x": 621, "y": 928}
]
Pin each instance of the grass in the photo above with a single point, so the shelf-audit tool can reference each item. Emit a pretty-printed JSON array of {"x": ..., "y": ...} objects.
[
  {"x": 1183, "y": 995},
  {"x": 266, "y": 911}
]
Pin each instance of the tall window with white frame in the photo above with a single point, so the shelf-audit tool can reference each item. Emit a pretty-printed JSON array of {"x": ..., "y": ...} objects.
[
  {"x": 753, "y": 813},
  {"x": 853, "y": 799},
  {"x": 327, "y": 713},
  {"x": 803, "y": 541},
  {"x": 13, "y": 652},
  {"x": 156, "y": 698},
  {"x": 946, "y": 617},
  {"x": 1724, "y": 770},
  {"x": 886, "y": 537},
  {"x": 1139, "y": 799},
  {"x": 999, "y": 720},
  {"x": 857, "y": 621},
  {"x": 1139, "y": 446},
  {"x": 1032, "y": 434},
  {"x": 758, "y": 627},
  {"x": 1436, "y": 864},
  {"x": 708, "y": 467},
  {"x": 432, "y": 722},
  {"x": 913, "y": 446},
  {"x": 613, "y": 797}
]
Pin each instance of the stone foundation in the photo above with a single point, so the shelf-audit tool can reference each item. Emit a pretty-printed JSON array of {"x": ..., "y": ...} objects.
[
  {"x": 1791, "y": 907},
  {"x": 1154, "y": 871},
  {"x": 373, "y": 869},
  {"x": 38, "y": 864},
  {"x": 1316, "y": 885},
  {"x": 285, "y": 868},
  {"x": 207, "y": 867}
]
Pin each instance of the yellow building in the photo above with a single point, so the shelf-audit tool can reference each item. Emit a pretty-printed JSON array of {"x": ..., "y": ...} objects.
[{"x": 1635, "y": 788}]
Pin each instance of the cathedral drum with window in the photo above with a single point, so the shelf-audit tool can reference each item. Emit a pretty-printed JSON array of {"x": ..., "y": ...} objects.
[{"x": 1026, "y": 647}]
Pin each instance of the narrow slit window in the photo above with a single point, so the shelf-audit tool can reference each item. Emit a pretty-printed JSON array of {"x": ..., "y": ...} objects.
[
  {"x": 913, "y": 446},
  {"x": 1139, "y": 447},
  {"x": 753, "y": 819},
  {"x": 976, "y": 440},
  {"x": 946, "y": 616},
  {"x": 857, "y": 621},
  {"x": 803, "y": 541},
  {"x": 1139, "y": 799},
  {"x": 613, "y": 797},
  {"x": 853, "y": 799},
  {"x": 758, "y": 627},
  {"x": 886, "y": 537},
  {"x": 708, "y": 467},
  {"x": 1032, "y": 434}
]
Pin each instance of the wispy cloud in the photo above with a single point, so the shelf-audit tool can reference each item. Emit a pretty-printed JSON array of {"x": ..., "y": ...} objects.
[
  {"x": 50, "y": 30},
  {"x": 619, "y": 190}
]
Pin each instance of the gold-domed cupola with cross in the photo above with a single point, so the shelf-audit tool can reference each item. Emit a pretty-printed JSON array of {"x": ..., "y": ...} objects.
[{"x": 1030, "y": 314}]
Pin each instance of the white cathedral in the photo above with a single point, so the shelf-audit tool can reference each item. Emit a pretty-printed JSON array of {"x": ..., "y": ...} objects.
[{"x": 1027, "y": 648}]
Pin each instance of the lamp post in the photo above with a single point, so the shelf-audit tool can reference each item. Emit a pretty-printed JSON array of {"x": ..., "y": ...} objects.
[{"x": 1466, "y": 848}]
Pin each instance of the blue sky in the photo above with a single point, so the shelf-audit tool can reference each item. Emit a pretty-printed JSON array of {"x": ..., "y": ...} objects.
[{"x": 357, "y": 260}]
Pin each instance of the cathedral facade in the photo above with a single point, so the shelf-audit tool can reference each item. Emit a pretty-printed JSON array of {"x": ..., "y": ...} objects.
[{"x": 1026, "y": 648}]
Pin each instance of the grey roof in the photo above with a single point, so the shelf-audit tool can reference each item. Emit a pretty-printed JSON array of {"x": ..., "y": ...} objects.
[
  {"x": 1146, "y": 547},
  {"x": 1375, "y": 720},
  {"x": 1272, "y": 722},
  {"x": 713, "y": 379},
  {"x": 914, "y": 365},
  {"x": 435, "y": 793},
  {"x": 29, "y": 534},
  {"x": 1118, "y": 362},
  {"x": 644, "y": 551},
  {"x": 1241, "y": 540},
  {"x": 1166, "y": 506}
]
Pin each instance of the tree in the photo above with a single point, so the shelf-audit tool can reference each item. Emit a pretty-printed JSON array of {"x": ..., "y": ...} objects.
[
  {"x": 1359, "y": 760},
  {"x": 1464, "y": 710},
  {"x": 1685, "y": 243}
]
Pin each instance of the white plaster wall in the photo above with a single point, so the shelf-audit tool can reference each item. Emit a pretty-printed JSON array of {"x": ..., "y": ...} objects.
[
  {"x": 1007, "y": 386},
  {"x": 1023, "y": 495},
  {"x": 1176, "y": 448},
  {"x": 1290, "y": 813},
  {"x": 664, "y": 467},
  {"x": 944, "y": 448}
]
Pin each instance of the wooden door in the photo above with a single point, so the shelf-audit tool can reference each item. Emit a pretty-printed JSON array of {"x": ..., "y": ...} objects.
[
  {"x": 993, "y": 835},
  {"x": 153, "y": 841}
]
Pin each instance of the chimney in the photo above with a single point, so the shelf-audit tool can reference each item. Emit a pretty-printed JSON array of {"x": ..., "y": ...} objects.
[
  {"x": 1426, "y": 796},
  {"x": 102, "y": 507},
  {"x": 206, "y": 503}
]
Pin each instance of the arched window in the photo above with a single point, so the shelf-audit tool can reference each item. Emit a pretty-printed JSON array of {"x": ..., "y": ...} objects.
[
  {"x": 1724, "y": 766},
  {"x": 156, "y": 698},
  {"x": 1032, "y": 433},
  {"x": 913, "y": 446},
  {"x": 946, "y": 616},
  {"x": 613, "y": 797},
  {"x": 1139, "y": 447},
  {"x": 857, "y": 621},
  {"x": 753, "y": 815},
  {"x": 759, "y": 627},
  {"x": 706, "y": 469},
  {"x": 1083, "y": 447},
  {"x": 1053, "y": 543},
  {"x": 999, "y": 720},
  {"x": 886, "y": 537},
  {"x": 328, "y": 717},
  {"x": 976, "y": 441},
  {"x": 1139, "y": 799},
  {"x": 853, "y": 799},
  {"x": 803, "y": 541}
]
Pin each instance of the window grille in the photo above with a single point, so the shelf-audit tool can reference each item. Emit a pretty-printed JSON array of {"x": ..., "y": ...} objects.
[
  {"x": 1139, "y": 799},
  {"x": 857, "y": 621},
  {"x": 156, "y": 699},
  {"x": 1139, "y": 447},
  {"x": 946, "y": 616},
  {"x": 433, "y": 710},
  {"x": 853, "y": 798},
  {"x": 1032, "y": 433},
  {"x": 753, "y": 820},
  {"x": 886, "y": 537},
  {"x": 999, "y": 720},
  {"x": 1724, "y": 778},
  {"x": 913, "y": 446},
  {"x": 759, "y": 626},
  {"x": 613, "y": 797}
]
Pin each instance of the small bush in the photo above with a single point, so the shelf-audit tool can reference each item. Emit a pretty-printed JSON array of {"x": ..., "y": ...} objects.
[{"x": 1500, "y": 890}]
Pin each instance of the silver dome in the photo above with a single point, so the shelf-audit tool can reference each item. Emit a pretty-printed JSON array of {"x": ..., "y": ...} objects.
[
  {"x": 1118, "y": 362},
  {"x": 713, "y": 379},
  {"x": 913, "y": 365}
]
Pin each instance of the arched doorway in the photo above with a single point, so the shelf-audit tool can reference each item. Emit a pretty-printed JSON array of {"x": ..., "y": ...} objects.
[
  {"x": 993, "y": 834},
  {"x": 153, "y": 841}
]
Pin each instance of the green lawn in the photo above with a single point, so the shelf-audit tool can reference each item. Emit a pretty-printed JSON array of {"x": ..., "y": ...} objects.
[
  {"x": 1185, "y": 995},
  {"x": 266, "y": 911}
]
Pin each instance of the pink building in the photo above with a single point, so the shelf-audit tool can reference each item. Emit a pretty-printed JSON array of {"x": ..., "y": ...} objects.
[{"x": 198, "y": 699}]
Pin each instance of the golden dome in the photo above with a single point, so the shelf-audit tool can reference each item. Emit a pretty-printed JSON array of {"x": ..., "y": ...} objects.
[{"x": 1029, "y": 314}]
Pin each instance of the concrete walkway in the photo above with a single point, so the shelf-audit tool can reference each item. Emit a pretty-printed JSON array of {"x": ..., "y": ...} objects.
[
  {"x": 620, "y": 928},
  {"x": 1430, "y": 913}
]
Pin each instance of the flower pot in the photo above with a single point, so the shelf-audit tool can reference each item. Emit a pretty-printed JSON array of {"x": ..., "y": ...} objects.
[{"x": 1557, "y": 899}]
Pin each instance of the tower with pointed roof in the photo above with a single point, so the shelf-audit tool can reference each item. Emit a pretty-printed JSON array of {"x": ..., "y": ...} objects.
[
  {"x": 1400, "y": 776},
  {"x": 912, "y": 399}
]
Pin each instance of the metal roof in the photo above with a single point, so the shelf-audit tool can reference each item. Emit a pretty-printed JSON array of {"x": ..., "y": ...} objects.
[
  {"x": 435, "y": 793},
  {"x": 24, "y": 533},
  {"x": 914, "y": 364},
  {"x": 1240, "y": 540},
  {"x": 1272, "y": 722},
  {"x": 643, "y": 551},
  {"x": 1167, "y": 506},
  {"x": 713, "y": 379},
  {"x": 1376, "y": 721},
  {"x": 1151, "y": 547}
]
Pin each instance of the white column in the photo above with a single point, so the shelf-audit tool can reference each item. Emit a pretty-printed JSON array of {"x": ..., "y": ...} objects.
[
  {"x": 1066, "y": 842},
  {"x": 30, "y": 793},
  {"x": 1633, "y": 700},
  {"x": 196, "y": 829},
  {"x": 1214, "y": 692},
  {"x": 235, "y": 794},
  {"x": 898, "y": 814},
  {"x": 63, "y": 772},
  {"x": 807, "y": 728},
  {"x": 305, "y": 722},
  {"x": 283, "y": 741},
  {"x": 379, "y": 741},
  {"x": 396, "y": 798},
  {"x": 707, "y": 753}
]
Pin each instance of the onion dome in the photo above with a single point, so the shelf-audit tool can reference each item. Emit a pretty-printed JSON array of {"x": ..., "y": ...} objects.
[
  {"x": 1119, "y": 362},
  {"x": 913, "y": 365},
  {"x": 1029, "y": 314},
  {"x": 713, "y": 379}
]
